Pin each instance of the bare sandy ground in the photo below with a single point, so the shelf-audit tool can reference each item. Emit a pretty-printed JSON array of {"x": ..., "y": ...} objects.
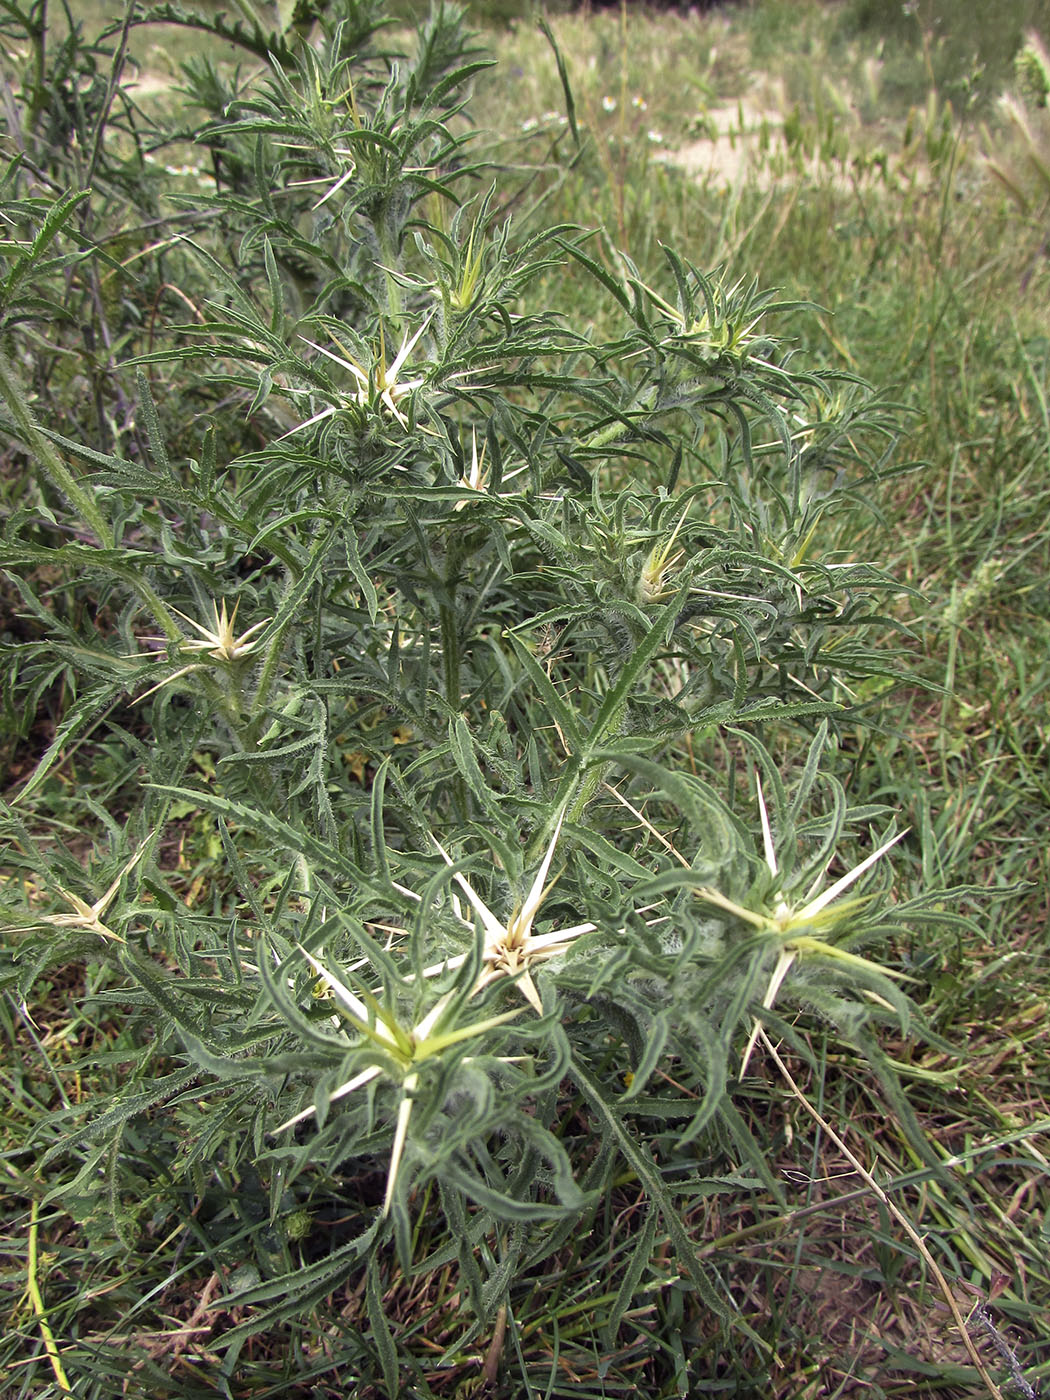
[{"x": 747, "y": 134}]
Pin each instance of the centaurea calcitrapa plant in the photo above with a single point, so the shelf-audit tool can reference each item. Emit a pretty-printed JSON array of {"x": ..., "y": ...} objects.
[{"x": 457, "y": 636}]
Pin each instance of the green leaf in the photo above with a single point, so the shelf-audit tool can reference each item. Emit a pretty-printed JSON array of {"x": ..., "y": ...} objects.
[
  {"x": 566, "y": 86},
  {"x": 148, "y": 410},
  {"x": 290, "y": 838},
  {"x": 641, "y": 1254},
  {"x": 129, "y": 1104},
  {"x": 360, "y": 574},
  {"x": 654, "y": 1040},
  {"x": 84, "y": 716},
  {"x": 611, "y": 712},
  {"x": 276, "y": 289},
  {"x": 556, "y": 706},
  {"x": 649, "y": 1177},
  {"x": 299, "y": 1288},
  {"x": 293, "y": 600},
  {"x": 381, "y": 1335},
  {"x": 599, "y": 274},
  {"x": 58, "y": 215},
  {"x": 461, "y": 745}
]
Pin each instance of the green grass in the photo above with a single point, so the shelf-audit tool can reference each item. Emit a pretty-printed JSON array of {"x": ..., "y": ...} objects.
[{"x": 929, "y": 280}]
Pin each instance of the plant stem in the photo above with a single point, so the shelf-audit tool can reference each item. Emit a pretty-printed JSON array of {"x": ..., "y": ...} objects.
[
  {"x": 390, "y": 253},
  {"x": 37, "y": 1300},
  {"x": 262, "y": 690},
  {"x": 38, "y": 38},
  {"x": 251, "y": 14},
  {"x": 450, "y": 653},
  {"x": 38, "y": 445},
  {"x": 116, "y": 69}
]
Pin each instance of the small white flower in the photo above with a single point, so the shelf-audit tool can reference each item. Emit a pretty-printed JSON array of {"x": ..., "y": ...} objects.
[
  {"x": 476, "y": 479},
  {"x": 639, "y": 104},
  {"x": 511, "y": 948},
  {"x": 218, "y": 640},
  {"x": 383, "y": 377},
  {"x": 656, "y": 137},
  {"x": 608, "y": 104}
]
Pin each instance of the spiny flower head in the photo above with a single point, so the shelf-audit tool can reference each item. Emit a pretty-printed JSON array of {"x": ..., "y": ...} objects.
[
  {"x": 377, "y": 383},
  {"x": 476, "y": 478},
  {"x": 89, "y": 917},
  {"x": 403, "y": 1050},
  {"x": 798, "y": 929},
  {"x": 659, "y": 566},
  {"x": 511, "y": 948},
  {"x": 217, "y": 640}
]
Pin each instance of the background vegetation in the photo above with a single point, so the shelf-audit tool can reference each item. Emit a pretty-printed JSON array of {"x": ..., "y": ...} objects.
[{"x": 429, "y": 671}]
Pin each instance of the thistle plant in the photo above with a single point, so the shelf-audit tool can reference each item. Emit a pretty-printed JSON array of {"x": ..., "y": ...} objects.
[
  {"x": 509, "y": 950},
  {"x": 218, "y": 641},
  {"x": 407, "y": 1047},
  {"x": 89, "y": 917},
  {"x": 517, "y": 566}
]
